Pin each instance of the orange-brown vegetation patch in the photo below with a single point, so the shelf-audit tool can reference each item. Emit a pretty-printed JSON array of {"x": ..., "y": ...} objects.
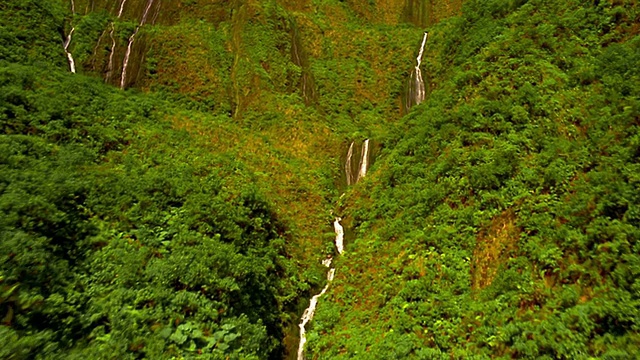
[
  {"x": 296, "y": 5},
  {"x": 494, "y": 246},
  {"x": 183, "y": 63},
  {"x": 292, "y": 187}
]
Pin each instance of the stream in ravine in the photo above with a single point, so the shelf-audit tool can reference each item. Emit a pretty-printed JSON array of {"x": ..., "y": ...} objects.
[
  {"x": 352, "y": 178},
  {"x": 416, "y": 93}
]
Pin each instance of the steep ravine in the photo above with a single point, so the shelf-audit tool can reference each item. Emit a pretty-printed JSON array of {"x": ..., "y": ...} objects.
[
  {"x": 415, "y": 94},
  {"x": 120, "y": 57},
  {"x": 308, "y": 313}
]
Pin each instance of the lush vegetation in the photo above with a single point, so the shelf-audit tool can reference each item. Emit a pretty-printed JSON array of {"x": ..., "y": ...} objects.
[
  {"x": 502, "y": 221},
  {"x": 120, "y": 237},
  {"x": 187, "y": 217}
]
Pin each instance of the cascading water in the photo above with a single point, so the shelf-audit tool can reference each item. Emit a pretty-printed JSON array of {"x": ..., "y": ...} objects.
[
  {"x": 347, "y": 165},
  {"x": 127, "y": 55},
  {"x": 111, "y": 55},
  {"x": 356, "y": 170},
  {"x": 121, "y": 8},
  {"x": 308, "y": 313},
  {"x": 364, "y": 160},
  {"x": 416, "y": 93},
  {"x": 72, "y": 63},
  {"x": 113, "y": 42},
  {"x": 339, "y": 230},
  {"x": 300, "y": 59}
]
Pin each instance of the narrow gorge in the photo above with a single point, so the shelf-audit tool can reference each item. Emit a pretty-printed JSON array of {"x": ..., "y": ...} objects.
[{"x": 308, "y": 313}]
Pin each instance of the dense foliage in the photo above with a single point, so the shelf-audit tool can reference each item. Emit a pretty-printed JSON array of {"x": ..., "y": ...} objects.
[
  {"x": 111, "y": 247},
  {"x": 503, "y": 220},
  {"x": 123, "y": 234},
  {"x": 187, "y": 217}
]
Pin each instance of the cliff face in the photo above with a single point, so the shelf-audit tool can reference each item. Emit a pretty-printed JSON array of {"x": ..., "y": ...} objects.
[
  {"x": 487, "y": 229},
  {"x": 188, "y": 213},
  {"x": 239, "y": 54},
  {"x": 421, "y": 13}
]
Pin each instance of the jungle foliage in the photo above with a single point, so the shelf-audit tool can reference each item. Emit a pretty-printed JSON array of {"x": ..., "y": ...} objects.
[
  {"x": 502, "y": 220},
  {"x": 123, "y": 234},
  {"x": 120, "y": 239},
  {"x": 187, "y": 217}
]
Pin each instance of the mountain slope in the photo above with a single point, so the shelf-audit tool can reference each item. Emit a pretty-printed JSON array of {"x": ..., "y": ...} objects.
[
  {"x": 174, "y": 198},
  {"x": 501, "y": 220}
]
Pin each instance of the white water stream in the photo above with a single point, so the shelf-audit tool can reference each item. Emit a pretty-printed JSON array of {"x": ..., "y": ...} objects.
[
  {"x": 337, "y": 227},
  {"x": 419, "y": 83},
  {"x": 121, "y": 8},
  {"x": 127, "y": 55},
  {"x": 308, "y": 313},
  {"x": 347, "y": 165},
  {"x": 113, "y": 42},
  {"x": 363, "y": 165},
  {"x": 417, "y": 89},
  {"x": 111, "y": 55},
  {"x": 364, "y": 161},
  {"x": 72, "y": 63}
]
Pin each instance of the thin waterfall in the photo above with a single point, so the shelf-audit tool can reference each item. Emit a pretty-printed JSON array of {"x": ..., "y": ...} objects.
[
  {"x": 67, "y": 41},
  {"x": 419, "y": 82},
  {"x": 339, "y": 235},
  {"x": 416, "y": 93},
  {"x": 121, "y": 8},
  {"x": 327, "y": 262},
  {"x": 111, "y": 55},
  {"x": 125, "y": 63},
  {"x": 72, "y": 63},
  {"x": 355, "y": 171},
  {"x": 300, "y": 59},
  {"x": 308, "y": 313},
  {"x": 113, "y": 42},
  {"x": 364, "y": 161},
  {"x": 347, "y": 165}
]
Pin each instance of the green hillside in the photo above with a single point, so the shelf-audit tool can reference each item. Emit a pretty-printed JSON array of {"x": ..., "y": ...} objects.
[{"x": 174, "y": 198}]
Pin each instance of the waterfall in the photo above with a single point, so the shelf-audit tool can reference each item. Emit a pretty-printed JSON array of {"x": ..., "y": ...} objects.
[
  {"x": 125, "y": 63},
  {"x": 339, "y": 235},
  {"x": 364, "y": 161},
  {"x": 353, "y": 175},
  {"x": 300, "y": 59},
  {"x": 416, "y": 93},
  {"x": 113, "y": 43},
  {"x": 308, "y": 313},
  {"x": 113, "y": 51},
  {"x": 419, "y": 83},
  {"x": 347, "y": 165},
  {"x": 72, "y": 63},
  {"x": 121, "y": 8},
  {"x": 327, "y": 262}
]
